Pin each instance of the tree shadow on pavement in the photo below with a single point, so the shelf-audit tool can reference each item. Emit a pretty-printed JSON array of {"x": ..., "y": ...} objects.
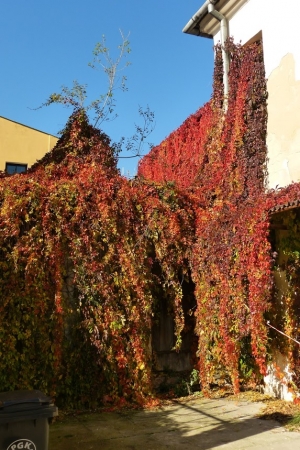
[{"x": 203, "y": 424}]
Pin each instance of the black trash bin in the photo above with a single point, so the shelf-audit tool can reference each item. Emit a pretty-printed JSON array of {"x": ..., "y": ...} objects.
[{"x": 24, "y": 420}]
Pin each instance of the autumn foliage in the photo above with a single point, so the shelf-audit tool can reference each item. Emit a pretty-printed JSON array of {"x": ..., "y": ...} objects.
[
  {"x": 85, "y": 253},
  {"x": 219, "y": 159},
  {"x": 78, "y": 245}
]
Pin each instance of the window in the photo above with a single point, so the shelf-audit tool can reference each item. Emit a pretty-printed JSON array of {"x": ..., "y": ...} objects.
[{"x": 12, "y": 168}]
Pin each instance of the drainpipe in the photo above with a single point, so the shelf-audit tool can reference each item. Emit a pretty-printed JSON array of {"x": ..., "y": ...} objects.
[{"x": 224, "y": 35}]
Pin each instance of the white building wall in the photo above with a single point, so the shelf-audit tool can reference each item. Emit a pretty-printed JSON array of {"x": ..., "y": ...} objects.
[{"x": 278, "y": 20}]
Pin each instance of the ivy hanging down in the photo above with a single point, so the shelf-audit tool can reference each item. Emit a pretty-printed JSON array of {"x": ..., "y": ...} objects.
[
  {"x": 85, "y": 254},
  {"x": 219, "y": 160},
  {"x": 78, "y": 245}
]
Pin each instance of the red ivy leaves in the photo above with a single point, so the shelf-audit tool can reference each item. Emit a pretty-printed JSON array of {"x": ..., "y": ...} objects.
[
  {"x": 80, "y": 248},
  {"x": 220, "y": 161}
]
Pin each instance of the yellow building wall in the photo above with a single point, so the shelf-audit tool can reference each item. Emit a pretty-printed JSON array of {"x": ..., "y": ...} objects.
[
  {"x": 21, "y": 144},
  {"x": 283, "y": 138}
]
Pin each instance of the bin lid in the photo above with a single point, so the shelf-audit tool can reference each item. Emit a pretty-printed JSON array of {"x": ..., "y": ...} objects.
[
  {"x": 17, "y": 406},
  {"x": 23, "y": 399}
]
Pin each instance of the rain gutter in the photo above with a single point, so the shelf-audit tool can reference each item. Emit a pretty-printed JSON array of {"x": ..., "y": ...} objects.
[{"x": 193, "y": 27}]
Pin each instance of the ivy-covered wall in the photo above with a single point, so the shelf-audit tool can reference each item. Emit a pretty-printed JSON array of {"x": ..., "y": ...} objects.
[
  {"x": 285, "y": 311},
  {"x": 79, "y": 246},
  {"x": 220, "y": 161},
  {"x": 86, "y": 255}
]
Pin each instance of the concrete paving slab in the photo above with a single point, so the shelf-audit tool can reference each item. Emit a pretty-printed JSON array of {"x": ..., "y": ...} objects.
[{"x": 199, "y": 423}]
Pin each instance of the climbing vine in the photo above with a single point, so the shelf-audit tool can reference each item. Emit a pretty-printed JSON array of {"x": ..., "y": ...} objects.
[
  {"x": 220, "y": 160},
  {"x": 78, "y": 244},
  {"x": 85, "y": 254},
  {"x": 284, "y": 314}
]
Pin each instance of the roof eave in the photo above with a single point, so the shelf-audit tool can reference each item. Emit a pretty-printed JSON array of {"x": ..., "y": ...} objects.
[
  {"x": 198, "y": 32},
  {"x": 204, "y": 24},
  {"x": 193, "y": 25}
]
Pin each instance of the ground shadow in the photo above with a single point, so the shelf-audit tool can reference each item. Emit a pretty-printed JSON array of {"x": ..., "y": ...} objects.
[{"x": 203, "y": 424}]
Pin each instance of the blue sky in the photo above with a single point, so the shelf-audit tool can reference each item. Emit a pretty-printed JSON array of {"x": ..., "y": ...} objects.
[{"x": 47, "y": 44}]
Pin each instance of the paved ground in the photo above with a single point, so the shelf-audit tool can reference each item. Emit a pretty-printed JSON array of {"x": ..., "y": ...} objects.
[{"x": 197, "y": 424}]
